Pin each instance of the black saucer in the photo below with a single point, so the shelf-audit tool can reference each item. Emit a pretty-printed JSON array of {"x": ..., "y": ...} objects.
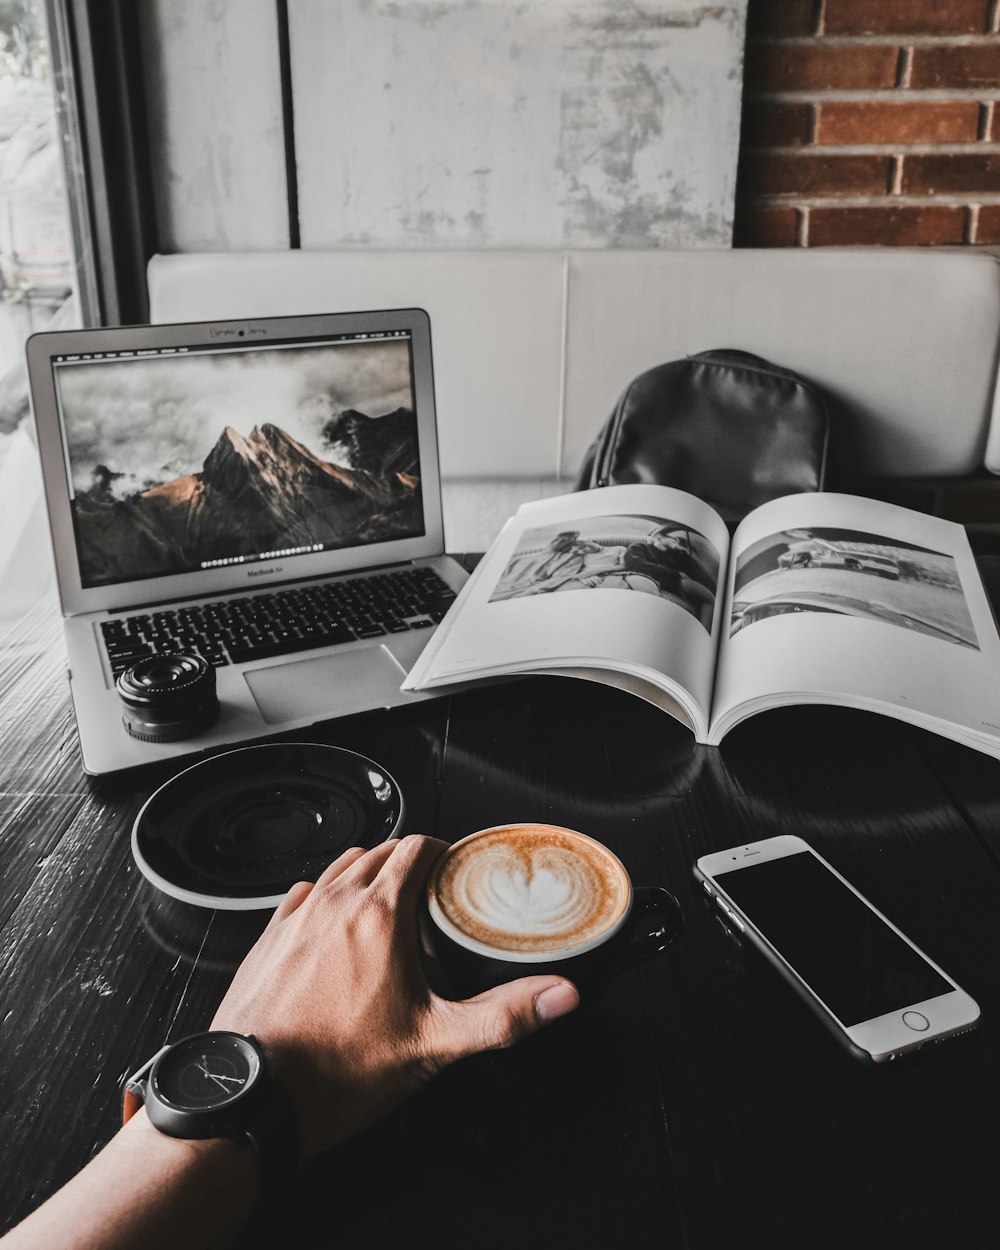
[{"x": 238, "y": 830}]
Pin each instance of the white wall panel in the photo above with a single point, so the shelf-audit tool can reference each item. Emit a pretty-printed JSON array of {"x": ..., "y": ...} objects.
[
  {"x": 213, "y": 91},
  {"x": 906, "y": 339},
  {"x": 547, "y": 123},
  {"x": 496, "y": 329}
]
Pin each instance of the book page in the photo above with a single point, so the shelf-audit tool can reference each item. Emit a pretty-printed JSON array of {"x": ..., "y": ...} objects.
[
  {"x": 840, "y": 599},
  {"x": 620, "y": 580}
]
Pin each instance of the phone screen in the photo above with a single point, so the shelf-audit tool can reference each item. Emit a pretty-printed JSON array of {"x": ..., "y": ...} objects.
[{"x": 854, "y": 962}]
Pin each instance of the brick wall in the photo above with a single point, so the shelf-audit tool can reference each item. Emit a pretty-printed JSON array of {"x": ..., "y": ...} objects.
[{"x": 870, "y": 122}]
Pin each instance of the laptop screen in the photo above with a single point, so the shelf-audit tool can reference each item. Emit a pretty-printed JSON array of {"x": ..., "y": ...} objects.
[
  {"x": 182, "y": 459},
  {"x": 199, "y": 458}
]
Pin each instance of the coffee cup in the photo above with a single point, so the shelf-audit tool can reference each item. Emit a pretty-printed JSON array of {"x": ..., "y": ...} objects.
[{"x": 524, "y": 899}]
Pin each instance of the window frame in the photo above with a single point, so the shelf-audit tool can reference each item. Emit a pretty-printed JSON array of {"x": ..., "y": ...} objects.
[{"x": 101, "y": 113}]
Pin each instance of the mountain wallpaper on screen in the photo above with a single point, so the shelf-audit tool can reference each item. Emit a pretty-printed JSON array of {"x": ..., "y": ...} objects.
[{"x": 256, "y": 493}]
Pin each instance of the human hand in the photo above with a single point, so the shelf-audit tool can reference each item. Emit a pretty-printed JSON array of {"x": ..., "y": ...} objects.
[{"x": 335, "y": 992}]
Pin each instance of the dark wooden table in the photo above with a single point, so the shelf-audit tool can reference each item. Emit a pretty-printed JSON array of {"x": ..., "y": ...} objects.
[{"x": 700, "y": 1105}]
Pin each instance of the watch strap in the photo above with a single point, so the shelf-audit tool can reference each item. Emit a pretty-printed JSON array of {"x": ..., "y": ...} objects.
[
  {"x": 274, "y": 1133},
  {"x": 132, "y": 1100},
  {"x": 273, "y": 1129},
  {"x": 134, "y": 1089}
]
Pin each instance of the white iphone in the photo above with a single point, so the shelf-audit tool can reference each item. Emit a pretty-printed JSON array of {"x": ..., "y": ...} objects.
[{"x": 881, "y": 995}]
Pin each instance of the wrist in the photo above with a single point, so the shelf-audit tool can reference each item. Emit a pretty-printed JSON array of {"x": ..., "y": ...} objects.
[
  {"x": 217, "y": 1086},
  {"x": 148, "y": 1190},
  {"x": 233, "y": 1156},
  {"x": 196, "y": 1189}
]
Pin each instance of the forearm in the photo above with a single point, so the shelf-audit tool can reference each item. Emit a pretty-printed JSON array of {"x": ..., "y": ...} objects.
[
  {"x": 335, "y": 992},
  {"x": 144, "y": 1191}
]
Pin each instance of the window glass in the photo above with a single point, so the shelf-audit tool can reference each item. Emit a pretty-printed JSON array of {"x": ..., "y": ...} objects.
[{"x": 37, "y": 278}]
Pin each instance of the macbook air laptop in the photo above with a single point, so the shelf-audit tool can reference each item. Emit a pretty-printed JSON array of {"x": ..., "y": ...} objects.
[{"x": 263, "y": 493}]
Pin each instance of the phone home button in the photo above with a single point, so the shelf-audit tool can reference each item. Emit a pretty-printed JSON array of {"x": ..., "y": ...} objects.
[{"x": 914, "y": 1020}]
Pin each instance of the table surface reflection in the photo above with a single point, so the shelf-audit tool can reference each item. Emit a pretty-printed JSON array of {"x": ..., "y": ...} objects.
[{"x": 699, "y": 1104}]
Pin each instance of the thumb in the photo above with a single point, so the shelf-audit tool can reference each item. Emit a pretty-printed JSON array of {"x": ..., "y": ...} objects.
[{"x": 500, "y": 1017}]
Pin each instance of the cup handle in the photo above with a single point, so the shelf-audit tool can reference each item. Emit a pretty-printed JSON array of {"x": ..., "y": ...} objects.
[{"x": 651, "y": 901}]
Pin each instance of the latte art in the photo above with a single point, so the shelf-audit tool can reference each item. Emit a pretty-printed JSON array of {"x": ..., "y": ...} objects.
[{"x": 530, "y": 889}]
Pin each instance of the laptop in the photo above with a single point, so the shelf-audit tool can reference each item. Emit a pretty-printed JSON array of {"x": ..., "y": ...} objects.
[{"x": 265, "y": 493}]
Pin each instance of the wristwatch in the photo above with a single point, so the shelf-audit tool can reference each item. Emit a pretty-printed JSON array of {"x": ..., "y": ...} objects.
[{"x": 218, "y": 1084}]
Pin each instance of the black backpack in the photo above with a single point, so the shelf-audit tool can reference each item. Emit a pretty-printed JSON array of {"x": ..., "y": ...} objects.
[{"x": 725, "y": 425}]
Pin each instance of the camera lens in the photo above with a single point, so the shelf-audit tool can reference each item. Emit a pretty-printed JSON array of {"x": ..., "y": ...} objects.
[{"x": 168, "y": 697}]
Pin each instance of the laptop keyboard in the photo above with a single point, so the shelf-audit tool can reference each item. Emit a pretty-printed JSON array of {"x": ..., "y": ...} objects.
[{"x": 281, "y": 622}]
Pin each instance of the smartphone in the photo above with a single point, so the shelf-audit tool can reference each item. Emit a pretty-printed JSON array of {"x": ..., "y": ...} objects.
[{"x": 881, "y": 995}]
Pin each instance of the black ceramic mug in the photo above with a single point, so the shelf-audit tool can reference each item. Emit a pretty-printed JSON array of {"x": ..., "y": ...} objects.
[{"x": 519, "y": 900}]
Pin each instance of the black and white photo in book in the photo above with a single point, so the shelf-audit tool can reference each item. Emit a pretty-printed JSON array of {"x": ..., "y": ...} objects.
[
  {"x": 650, "y": 554},
  {"x": 818, "y": 598},
  {"x": 867, "y": 576}
]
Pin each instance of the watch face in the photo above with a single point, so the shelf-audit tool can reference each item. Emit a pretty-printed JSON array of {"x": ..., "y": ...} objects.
[{"x": 206, "y": 1071}]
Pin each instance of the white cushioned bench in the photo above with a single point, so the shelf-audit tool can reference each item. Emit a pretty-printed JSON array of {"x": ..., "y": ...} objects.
[{"x": 532, "y": 348}]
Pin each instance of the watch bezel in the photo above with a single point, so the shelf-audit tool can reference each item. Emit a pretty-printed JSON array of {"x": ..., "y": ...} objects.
[{"x": 230, "y": 1116}]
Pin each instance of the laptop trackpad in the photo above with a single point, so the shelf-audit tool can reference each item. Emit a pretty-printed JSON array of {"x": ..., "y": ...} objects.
[{"x": 326, "y": 686}]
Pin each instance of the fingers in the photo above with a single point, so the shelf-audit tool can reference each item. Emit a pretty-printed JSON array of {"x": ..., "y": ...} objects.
[
  {"x": 407, "y": 871},
  {"x": 294, "y": 899},
  {"x": 299, "y": 892},
  {"x": 401, "y": 863},
  {"x": 365, "y": 870},
  {"x": 499, "y": 1018},
  {"x": 340, "y": 865}
]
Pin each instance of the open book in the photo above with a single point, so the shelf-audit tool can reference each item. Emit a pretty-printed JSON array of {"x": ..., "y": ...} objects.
[{"x": 816, "y": 598}]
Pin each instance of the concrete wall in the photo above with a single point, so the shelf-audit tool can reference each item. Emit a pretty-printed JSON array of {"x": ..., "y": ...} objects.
[{"x": 582, "y": 123}]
